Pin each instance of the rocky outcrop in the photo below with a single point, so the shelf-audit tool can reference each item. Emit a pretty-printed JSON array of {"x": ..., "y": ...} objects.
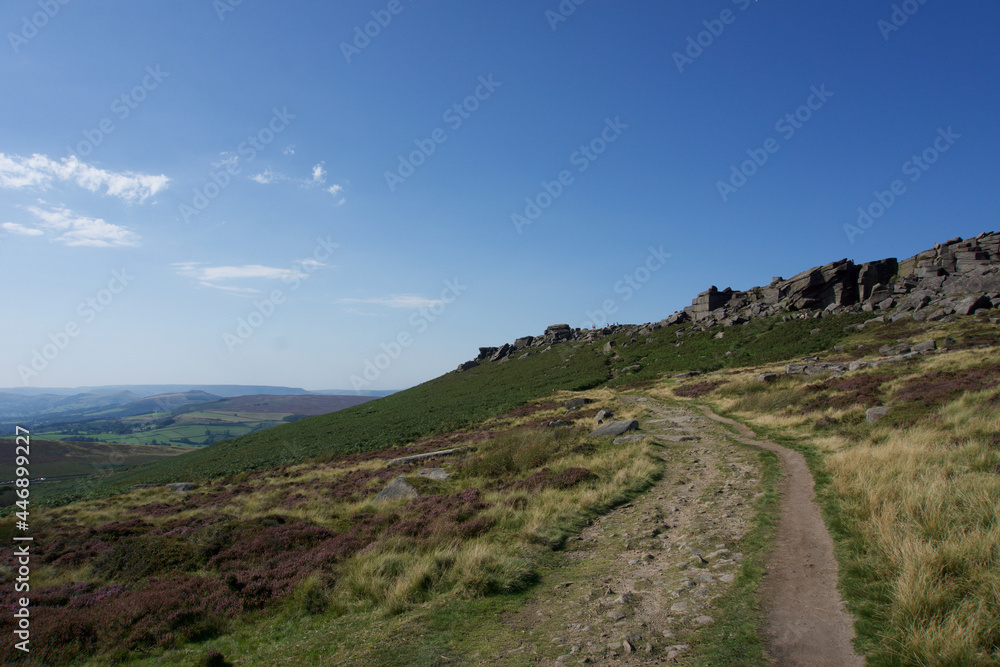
[{"x": 955, "y": 278}]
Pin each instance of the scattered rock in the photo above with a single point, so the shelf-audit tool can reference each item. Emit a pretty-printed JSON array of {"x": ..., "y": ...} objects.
[
  {"x": 704, "y": 620},
  {"x": 397, "y": 489},
  {"x": 872, "y": 415},
  {"x": 576, "y": 403},
  {"x": 767, "y": 377},
  {"x": 434, "y": 473},
  {"x": 615, "y": 615},
  {"x": 182, "y": 487},
  {"x": 603, "y": 415},
  {"x": 421, "y": 457},
  {"x": 616, "y": 428}
]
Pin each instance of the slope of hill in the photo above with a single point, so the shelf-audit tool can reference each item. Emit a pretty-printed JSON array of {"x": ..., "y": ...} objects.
[{"x": 282, "y": 549}]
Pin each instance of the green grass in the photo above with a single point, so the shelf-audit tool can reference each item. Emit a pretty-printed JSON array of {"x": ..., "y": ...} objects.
[
  {"x": 761, "y": 341},
  {"x": 447, "y": 403}
]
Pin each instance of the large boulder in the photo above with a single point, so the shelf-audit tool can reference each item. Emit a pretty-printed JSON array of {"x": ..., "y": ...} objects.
[
  {"x": 616, "y": 428},
  {"x": 398, "y": 489},
  {"x": 971, "y": 304}
]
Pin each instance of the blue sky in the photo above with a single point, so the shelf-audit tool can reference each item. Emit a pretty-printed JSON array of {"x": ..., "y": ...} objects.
[{"x": 258, "y": 193}]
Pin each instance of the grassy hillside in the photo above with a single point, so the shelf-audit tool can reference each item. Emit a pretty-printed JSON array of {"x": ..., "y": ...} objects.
[
  {"x": 456, "y": 400},
  {"x": 251, "y": 554},
  {"x": 448, "y": 403},
  {"x": 911, "y": 499},
  {"x": 151, "y": 570}
]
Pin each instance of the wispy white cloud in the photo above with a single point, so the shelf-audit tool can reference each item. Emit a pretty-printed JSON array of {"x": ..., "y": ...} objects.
[
  {"x": 220, "y": 277},
  {"x": 410, "y": 301},
  {"x": 39, "y": 171},
  {"x": 74, "y": 230},
  {"x": 265, "y": 177},
  {"x": 15, "y": 228},
  {"x": 289, "y": 150},
  {"x": 318, "y": 174}
]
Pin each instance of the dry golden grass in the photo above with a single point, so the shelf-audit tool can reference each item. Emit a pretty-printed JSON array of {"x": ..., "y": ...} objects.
[{"x": 918, "y": 506}]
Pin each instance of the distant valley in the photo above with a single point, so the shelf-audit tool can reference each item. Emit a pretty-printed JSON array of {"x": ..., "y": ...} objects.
[{"x": 186, "y": 416}]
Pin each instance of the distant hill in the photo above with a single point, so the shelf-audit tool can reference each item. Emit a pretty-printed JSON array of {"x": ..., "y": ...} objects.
[
  {"x": 147, "y": 390},
  {"x": 190, "y": 418},
  {"x": 63, "y": 462},
  {"x": 309, "y": 405}
]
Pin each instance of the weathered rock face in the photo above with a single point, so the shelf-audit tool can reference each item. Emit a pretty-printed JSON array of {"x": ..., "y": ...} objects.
[
  {"x": 958, "y": 277},
  {"x": 557, "y": 333}
]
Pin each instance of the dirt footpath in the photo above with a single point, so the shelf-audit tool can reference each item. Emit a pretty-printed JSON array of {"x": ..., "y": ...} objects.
[
  {"x": 640, "y": 579},
  {"x": 807, "y": 624}
]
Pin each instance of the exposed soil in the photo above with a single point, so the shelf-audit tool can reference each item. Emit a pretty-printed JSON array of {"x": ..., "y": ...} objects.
[
  {"x": 636, "y": 584},
  {"x": 807, "y": 624}
]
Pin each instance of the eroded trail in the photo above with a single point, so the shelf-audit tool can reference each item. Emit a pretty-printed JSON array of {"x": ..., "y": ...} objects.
[
  {"x": 638, "y": 581},
  {"x": 807, "y": 623}
]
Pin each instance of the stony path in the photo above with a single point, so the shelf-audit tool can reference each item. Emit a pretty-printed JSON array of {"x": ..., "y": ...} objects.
[
  {"x": 807, "y": 623},
  {"x": 640, "y": 579}
]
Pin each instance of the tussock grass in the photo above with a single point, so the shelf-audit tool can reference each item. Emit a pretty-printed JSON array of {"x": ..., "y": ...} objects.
[{"x": 913, "y": 501}]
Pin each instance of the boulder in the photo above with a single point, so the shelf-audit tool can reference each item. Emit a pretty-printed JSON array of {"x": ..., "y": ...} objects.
[
  {"x": 576, "y": 403},
  {"x": 603, "y": 415},
  {"x": 504, "y": 351},
  {"x": 557, "y": 333},
  {"x": 420, "y": 457},
  {"x": 468, "y": 365},
  {"x": 971, "y": 304},
  {"x": 397, "y": 489},
  {"x": 629, "y": 439},
  {"x": 926, "y": 346},
  {"x": 767, "y": 377},
  {"x": 439, "y": 474},
  {"x": 872, "y": 415},
  {"x": 616, "y": 428}
]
